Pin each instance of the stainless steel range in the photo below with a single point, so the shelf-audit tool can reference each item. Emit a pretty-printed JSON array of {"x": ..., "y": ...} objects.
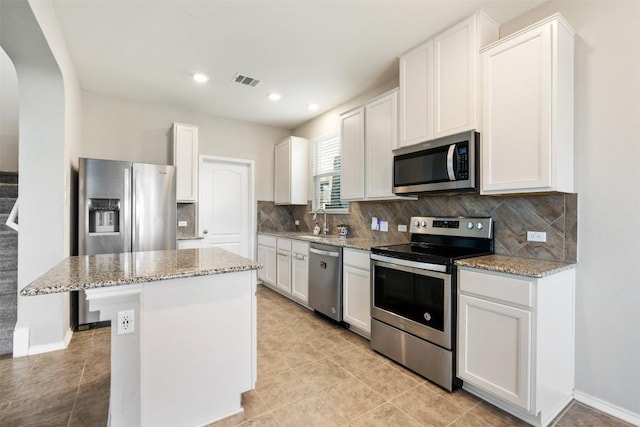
[{"x": 413, "y": 304}]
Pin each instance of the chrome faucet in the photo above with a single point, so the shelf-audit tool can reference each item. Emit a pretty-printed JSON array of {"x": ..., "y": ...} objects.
[{"x": 325, "y": 229}]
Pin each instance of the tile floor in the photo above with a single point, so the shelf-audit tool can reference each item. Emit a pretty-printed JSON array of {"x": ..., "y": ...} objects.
[{"x": 309, "y": 373}]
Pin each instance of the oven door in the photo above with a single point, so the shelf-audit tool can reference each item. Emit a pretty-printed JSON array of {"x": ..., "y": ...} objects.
[{"x": 409, "y": 297}]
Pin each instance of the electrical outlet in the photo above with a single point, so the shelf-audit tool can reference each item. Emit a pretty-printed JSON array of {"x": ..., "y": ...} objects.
[
  {"x": 297, "y": 222},
  {"x": 375, "y": 223},
  {"x": 536, "y": 236},
  {"x": 126, "y": 322},
  {"x": 402, "y": 227},
  {"x": 182, "y": 223},
  {"x": 384, "y": 225}
]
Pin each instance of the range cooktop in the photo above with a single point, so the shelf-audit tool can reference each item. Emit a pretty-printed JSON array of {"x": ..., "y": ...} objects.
[{"x": 441, "y": 240}]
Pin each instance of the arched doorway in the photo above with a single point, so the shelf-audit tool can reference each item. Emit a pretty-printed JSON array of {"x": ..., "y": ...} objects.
[
  {"x": 8, "y": 200},
  {"x": 42, "y": 323}
]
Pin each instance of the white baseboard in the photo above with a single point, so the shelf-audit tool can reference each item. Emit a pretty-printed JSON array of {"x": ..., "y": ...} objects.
[
  {"x": 45, "y": 348},
  {"x": 607, "y": 408},
  {"x": 20, "y": 342}
]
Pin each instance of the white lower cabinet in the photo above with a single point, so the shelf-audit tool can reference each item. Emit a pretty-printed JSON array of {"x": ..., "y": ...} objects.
[
  {"x": 356, "y": 288},
  {"x": 516, "y": 341},
  {"x": 267, "y": 257},
  {"x": 283, "y": 265},
  {"x": 300, "y": 272}
]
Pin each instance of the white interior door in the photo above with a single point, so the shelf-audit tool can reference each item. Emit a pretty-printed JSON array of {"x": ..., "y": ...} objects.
[{"x": 226, "y": 204}]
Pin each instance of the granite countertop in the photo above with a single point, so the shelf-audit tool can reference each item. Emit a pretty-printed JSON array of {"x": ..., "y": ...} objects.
[
  {"x": 189, "y": 238},
  {"x": 98, "y": 271},
  {"x": 514, "y": 265},
  {"x": 345, "y": 242}
]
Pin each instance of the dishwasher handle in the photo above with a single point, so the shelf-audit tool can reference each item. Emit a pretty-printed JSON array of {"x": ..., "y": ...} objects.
[{"x": 326, "y": 253}]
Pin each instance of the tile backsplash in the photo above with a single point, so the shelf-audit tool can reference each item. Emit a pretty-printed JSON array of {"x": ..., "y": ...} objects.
[
  {"x": 555, "y": 214},
  {"x": 187, "y": 212}
]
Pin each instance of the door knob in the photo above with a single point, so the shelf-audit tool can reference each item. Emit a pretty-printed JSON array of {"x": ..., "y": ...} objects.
[{"x": 205, "y": 231}]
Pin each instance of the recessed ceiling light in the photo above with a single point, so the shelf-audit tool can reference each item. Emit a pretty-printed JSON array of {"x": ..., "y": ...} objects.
[
  {"x": 275, "y": 96},
  {"x": 313, "y": 107},
  {"x": 200, "y": 77}
]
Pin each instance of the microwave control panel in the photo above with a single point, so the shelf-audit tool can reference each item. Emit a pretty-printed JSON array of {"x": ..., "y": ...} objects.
[{"x": 462, "y": 166}]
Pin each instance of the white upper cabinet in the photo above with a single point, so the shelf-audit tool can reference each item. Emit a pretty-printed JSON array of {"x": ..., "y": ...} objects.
[
  {"x": 381, "y": 136},
  {"x": 439, "y": 84},
  {"x": 352, "y": 155},
  {"x": 527, "y": 141},
  {"x": 291, "y": 171},
  {"x": 185, "y": 159},
  {"x": 416, "y": 95},
  {"x": 369, "y": 134}
]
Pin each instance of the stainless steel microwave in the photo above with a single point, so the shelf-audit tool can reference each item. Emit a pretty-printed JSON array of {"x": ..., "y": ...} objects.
[{"x": 449, "y": 164}]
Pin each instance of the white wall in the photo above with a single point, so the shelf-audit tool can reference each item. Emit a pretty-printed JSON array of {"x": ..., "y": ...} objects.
[
  {"x": 43, "y": 322},
  {"x": 8, "y": 114},
  {"x": 122, "y": 129},
  {"x": 607, "y": 148}
]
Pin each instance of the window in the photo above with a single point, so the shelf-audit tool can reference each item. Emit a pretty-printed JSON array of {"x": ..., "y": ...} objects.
[{"x": 326, "y": 174}]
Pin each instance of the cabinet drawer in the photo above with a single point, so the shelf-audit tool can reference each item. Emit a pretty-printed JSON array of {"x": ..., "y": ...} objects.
[
  {"x": 498, "y": 287},
  {"x": 284, "y": 245},
  {"x": 356, "y": 258},
  {"x": 301, "y": 248},
  {"x": 267, "y": 240}
]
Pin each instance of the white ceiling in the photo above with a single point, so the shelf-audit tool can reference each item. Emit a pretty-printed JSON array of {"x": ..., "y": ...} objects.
[{"x": 322, "y": 51}]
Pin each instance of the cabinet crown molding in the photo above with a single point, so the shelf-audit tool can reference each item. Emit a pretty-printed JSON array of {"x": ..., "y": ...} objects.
[{"x": 555, "y": 17}]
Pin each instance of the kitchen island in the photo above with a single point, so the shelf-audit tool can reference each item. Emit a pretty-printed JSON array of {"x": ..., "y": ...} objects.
[{"x": 183, "y": 336}]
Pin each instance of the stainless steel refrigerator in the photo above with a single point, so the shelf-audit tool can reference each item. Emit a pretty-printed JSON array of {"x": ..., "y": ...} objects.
[{"x": 123, "y": 207}]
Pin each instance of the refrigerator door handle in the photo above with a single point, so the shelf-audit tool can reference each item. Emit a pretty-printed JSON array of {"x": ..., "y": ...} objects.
[{"x": 127, "y": 215}]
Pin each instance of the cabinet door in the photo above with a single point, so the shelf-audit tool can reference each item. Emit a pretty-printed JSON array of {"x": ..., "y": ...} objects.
[
  {"x": 454, "y": 79},
  {"x": 185, "y": 159},
  {"x": 299, "y": 171},
  {"x": 352, "y": 155},
  {"x": 267, "y": 257},
  {"x": 381, "y": 132},
  {"x": 283, "y": 271},
  {"x": 416, "y": 95},
  {"x": 494, "y": 349},
  {"x": 300, "y": 282},
  {"x": 282, "y": 171},
  {"x": 357, "y": 298},
  {"x": 516, "y": 140}
]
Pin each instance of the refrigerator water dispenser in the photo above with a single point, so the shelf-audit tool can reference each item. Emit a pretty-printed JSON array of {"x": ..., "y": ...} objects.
[{"x": 104, "y": 216}]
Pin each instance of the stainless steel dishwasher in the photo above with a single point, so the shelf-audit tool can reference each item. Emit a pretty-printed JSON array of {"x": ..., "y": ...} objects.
[{"x": 325, "y": 280}]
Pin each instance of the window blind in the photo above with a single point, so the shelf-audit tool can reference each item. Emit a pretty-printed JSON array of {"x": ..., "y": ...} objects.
[{"x": 326, "y": 174}]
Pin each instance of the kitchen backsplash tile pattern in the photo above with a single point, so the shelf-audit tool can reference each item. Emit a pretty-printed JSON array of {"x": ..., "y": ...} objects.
[
  {"x": 187, "y": 212},
  {"x": 555, "y": 214}
]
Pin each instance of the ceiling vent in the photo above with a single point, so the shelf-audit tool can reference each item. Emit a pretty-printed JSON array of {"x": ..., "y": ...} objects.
[{"x": 246, "y": 80}]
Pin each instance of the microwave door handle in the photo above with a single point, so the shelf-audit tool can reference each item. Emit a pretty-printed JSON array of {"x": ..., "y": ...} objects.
[{"x": 450, "y": 171}]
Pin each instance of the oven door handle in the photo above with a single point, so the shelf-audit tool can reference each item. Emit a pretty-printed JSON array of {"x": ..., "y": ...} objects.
[
  {"x": 450, "y": 171},
  {"x": 412, "y": 264}
]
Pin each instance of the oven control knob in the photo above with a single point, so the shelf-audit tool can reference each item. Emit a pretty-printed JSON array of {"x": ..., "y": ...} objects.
[
  {"x": 423, "y": 224},
  {"x": 479, "y": 226},
  {"x": 417, "y": 223},
  {"x": 470, "y": 225}
]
